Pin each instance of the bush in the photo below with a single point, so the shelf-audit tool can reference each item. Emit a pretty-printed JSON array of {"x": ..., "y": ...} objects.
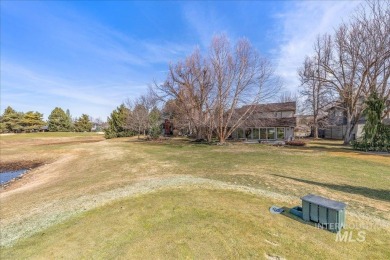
[
  {"x": 111, "y": 134},
  {"x": 296, "y": 143},
  {"x": 155, "y": 132},
  {"x": 363, "y": 145}
]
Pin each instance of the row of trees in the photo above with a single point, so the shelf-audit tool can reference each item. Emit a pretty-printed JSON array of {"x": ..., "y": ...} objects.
[
  {"x": 137, "y": 117},
  {"x": 213, "y": 93},
  {"x": 349, "y": 65},
  {"x": 61, "y": 121},
  {"x": 13, "y": 121},
  {"x": 58, "y": 121},
  {"x": 203, "y": 93}
]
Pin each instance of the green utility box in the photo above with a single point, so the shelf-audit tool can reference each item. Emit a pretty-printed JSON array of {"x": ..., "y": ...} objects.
[{"x": 329, "y": 213}]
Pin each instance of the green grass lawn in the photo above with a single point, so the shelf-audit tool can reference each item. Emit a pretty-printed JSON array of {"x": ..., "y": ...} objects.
[
  {"x": 189, "y": 223},
  {"x": 96, "y": 198}
]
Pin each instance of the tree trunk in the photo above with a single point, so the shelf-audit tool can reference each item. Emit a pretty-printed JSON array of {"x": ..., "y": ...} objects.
[
  {"x": 315, "y": 134},
  {"x": 222, "y": 138},
  {"x": 199, "y": 134},
  {"x": 349, "y": 130},
  {"x": 348, "y": 136}
]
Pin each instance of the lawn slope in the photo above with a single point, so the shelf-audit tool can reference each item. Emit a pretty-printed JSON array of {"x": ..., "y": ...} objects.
[{"x": 92, "y": 197}]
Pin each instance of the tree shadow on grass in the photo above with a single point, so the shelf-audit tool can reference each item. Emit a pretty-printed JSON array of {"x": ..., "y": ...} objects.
[
  {"x": 378, "y": 194},
  {"x": 342, "y": 148}
]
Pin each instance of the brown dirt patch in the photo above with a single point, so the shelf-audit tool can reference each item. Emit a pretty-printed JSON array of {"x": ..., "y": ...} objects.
[{"x": 17, "y": 165}]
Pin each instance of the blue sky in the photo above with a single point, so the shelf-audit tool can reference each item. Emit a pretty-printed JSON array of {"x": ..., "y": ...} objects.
[{"x": 89, "y": 56}]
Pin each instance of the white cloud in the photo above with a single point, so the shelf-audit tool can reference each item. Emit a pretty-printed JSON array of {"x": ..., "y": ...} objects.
[
  {"x": 300, "y": 25},
  {"x": 33, "y": 90},
  {"x": 205, "y": 22},
  {"x": 99, "y": 69}
]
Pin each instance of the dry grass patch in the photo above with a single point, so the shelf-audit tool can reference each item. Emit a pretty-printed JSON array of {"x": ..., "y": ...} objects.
[{"x": 78, "y": 173}]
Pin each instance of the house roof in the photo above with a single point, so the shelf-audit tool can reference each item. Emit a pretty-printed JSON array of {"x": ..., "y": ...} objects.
[
  {"x": 274, "y": 107},
  {"x": 271, "y": 122}
]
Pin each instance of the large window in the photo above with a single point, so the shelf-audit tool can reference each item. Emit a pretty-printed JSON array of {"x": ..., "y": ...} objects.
[
  {"x": 280, "y": 132},
  {"x": 263, "y": 133},
  {"x": 248, "y": 133},
  {"x": 240, "y": 133},
  {"x": 255, "y": 133},
  {"x": 271, "y": 133}
]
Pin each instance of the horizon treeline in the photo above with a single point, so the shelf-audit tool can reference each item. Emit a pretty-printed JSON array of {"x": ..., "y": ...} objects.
[{"x": 12, "y": 121}]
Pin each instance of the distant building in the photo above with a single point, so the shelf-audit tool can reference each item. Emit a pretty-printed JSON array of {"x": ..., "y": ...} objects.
[
  {"x": 98, "y": 126},
  {"x": 44, "y": 129},
  {"x": 269, "y": 122},
  {"x": 337, "y": 122}
]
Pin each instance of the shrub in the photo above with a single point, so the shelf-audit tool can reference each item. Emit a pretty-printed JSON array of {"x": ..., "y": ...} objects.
[
  {"x": 363, "y": 145},
  {"x": 155, "y": 132},
  {"x": 296, "y": 143},
  {"x": 108, "y": 134}
]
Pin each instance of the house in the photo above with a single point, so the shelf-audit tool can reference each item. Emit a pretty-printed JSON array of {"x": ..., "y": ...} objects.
[
  {"x": 98, "y": 127},
  {"x": 337, "y": 122},
  {"x": 268, "y": 122},
  {"x": 44, "y": 129}
]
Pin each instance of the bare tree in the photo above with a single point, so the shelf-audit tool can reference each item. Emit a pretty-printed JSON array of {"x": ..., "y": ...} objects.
[
  {"x": 138, "y": 116},
  {"x": 287, "y": 96},
  {"x": 241, "y": 79},
  {"x": 359, "y": 61},
  {"x": 317, "y": 96},
  {"x": 178, "y": 118},
  {"x": 209, "y": 91},
  {"x": 189, "y": 84}
]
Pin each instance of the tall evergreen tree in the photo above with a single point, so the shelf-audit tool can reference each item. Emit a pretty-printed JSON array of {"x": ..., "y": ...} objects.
[
  {"x": 154, "y": 123},
  {"x": 11, "y": 120},
  {"x": 117, "y": 123},
  {"x": 58, "y": 121},
  {"x": 376, "y": 135},
  {"x": 83, "y": 124},
  {"x": 32, "y": 121},
  {"x": 70, "y": 119},
  {"x": 375, "y": 132}
]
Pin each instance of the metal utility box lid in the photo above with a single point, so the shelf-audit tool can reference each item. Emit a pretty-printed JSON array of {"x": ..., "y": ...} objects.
[{"x": 321, "y": 201}]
